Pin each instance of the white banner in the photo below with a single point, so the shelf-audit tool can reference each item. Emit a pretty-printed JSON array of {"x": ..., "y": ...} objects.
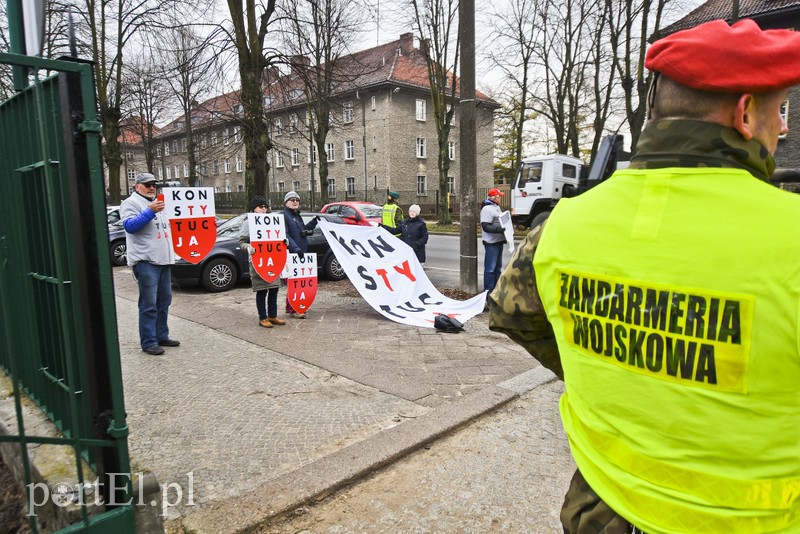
[
  {"x": 388, "y": 275},
  {"x": 508, "y": 227}
]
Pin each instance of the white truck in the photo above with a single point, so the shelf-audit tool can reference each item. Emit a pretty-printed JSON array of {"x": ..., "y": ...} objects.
[{"x": 543, "y": 180}]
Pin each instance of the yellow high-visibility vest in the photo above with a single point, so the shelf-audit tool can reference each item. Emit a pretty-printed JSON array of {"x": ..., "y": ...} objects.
[
  {"x": 674, "y": 295},
  {"x": 388, "y": 214}
]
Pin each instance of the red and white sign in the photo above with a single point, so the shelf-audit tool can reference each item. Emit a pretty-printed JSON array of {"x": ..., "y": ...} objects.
[
  {"x": 192, "y": 219},
  {"x": 267, "y": 236},
  {"x": 301, "y": 281}
]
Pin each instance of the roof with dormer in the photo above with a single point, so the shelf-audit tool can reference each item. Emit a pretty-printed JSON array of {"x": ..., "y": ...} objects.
[{"x": 768, "y": 13}]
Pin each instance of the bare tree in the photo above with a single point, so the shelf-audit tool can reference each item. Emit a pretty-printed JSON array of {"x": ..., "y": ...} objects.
[
  {"x": 436, "y": 22},
  {"x": 250, "y": 23},
  {"x": 320, "y": 32},
  {"x": 515, "y": 30},
  {"x": 146, "y": 103},
  {"x": 187, "y": 71}
]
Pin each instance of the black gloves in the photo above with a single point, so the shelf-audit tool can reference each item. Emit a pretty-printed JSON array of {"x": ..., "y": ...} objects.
[{"x": 308, "y": 233}]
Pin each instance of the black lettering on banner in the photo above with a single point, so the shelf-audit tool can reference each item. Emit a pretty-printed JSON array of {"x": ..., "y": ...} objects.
[
  {"x": 360, "y": 248},
  {"x": 257, "y": 220},
  {"x": 381, "y": 245},
  {"x": 424, "y": 299},
  {"x": 177, "y": 211},
  {"x": 362, "y": 272},
  {"x": 176, "y": 195},
  {"x": 388, "y": 310},
  {"x": 408, "y": 307},
  {"x": 341, "y": 242}
]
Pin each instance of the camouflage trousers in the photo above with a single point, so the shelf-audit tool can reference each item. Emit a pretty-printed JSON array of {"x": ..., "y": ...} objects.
[{"x": 584, "y": 512}]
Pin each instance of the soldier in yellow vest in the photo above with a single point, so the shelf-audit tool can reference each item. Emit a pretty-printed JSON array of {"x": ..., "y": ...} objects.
[
  {"x": 668, "y": 300},
  {"x": 392, "y": 213}
]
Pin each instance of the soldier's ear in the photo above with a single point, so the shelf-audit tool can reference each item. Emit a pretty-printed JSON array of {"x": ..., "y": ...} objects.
[{"x": 743, "y": 115}]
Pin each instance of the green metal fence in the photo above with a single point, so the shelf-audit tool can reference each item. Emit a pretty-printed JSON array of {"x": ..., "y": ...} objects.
[{"x": 58, "y": 340}]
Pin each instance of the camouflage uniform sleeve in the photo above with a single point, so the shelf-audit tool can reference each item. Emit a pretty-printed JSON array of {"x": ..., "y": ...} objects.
[{"x": 516, "y": 310}]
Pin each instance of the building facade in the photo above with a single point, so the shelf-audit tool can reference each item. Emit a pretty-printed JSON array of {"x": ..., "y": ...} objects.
[{"x": 382, "y": 135}]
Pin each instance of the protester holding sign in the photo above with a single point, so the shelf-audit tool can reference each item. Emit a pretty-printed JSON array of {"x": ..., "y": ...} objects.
[
  {"x": 413, "y": 231},
  {"x": 266, "y": 292},
  {"x": 149, "y": 252},
  {"x": 493, "y": 237},
  {"x": 297, "y": 234}
]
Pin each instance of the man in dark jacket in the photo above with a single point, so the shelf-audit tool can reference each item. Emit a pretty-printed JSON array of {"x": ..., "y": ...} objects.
[{"x": 297, "y": 233}]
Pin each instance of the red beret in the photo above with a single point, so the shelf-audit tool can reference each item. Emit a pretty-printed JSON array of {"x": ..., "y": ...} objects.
[{"x": 720, "y": 58}]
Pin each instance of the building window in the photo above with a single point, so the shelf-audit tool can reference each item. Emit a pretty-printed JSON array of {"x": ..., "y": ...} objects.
[
  {"x": 216, "y": 166},
  {"x": 422, "y": 185},
  {"x": 349, "y": 150},
  {"x": 166, "y": 149},
  {"x": 158, "y": 173},
  {"x": 279, "y": 160},
  {"x": 278, "y": 126},
  {"x": 451, "y": 185},
  {"x": 240, "y": 188},
  {"x": 421, "y": 114},
  {"x": 158, "y": 151},
  {"x": 281, "y": 187},
  {"x": 177, "y": 172},
  {"x": 784, "y": 116},
  {"x": 332, "y": 187},
  {"x": 225, "y": 137},
  {"x": 227, "y": 164},
  {"x": 238, "y": 163},
  {"x": 351, "y": 186},
  {"x": 373, "y": 102},
  {"x": 237, "y": 134},
  {"x": 295, "y": 93},
  {"x": 238, "y": 108},
  {"x": 312, "y": 155},
  {"x": 451, "y": 150},
  {"x": 185, "y": 171},
  {"x": 330, "y": 151},
  {"x": 174, "y": 146},
  {"x": 131, "y": 174},
  {"x": 183, "y": 145},
  {"x": 347, "y": 112},
  {"x": 227, "y": 189},
  {"x": 169, "y": 173},
  {"x": 214, "y": 139},
  {"x": 295, "y": 157},
  {"x": 293, "y": 122},
  {"x": 201, "y": 142},
  {"x": 128, "y": 155},
  {"x": 421, "y": 152},
  {"x": 267, "y": 101},
  {"x": 296, "y": 185}
]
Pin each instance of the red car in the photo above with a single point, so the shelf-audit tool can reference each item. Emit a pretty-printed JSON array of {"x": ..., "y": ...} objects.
[{"x": 359, "y": 213}]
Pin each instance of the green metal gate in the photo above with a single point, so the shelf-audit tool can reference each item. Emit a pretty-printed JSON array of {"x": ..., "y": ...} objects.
[{"x": 58, "y": 331}]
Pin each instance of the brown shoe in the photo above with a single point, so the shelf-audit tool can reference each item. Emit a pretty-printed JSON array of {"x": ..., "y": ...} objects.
[
  {"x": 265, "y": 323},
  {"x": 276, "y": 321}
]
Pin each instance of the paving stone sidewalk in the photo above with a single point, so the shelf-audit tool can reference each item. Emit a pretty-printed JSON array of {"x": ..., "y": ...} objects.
[{"x": 237, "y": 406}]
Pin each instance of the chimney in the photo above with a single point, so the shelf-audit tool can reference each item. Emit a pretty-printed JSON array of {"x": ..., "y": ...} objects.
[
  {"x": 406, "y": 43},
  {"x": 299, "y": 63}
]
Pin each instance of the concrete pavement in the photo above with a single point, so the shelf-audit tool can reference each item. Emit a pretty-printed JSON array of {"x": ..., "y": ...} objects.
[{"x": 250, "y": 423}]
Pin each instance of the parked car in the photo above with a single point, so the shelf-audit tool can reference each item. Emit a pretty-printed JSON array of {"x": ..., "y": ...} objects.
[
  {"x": 359, "y": 213},
  {"x": 116, "y": 244},
  {"x": 112, "y": 215},
  {"x": 227, "y": 264}
]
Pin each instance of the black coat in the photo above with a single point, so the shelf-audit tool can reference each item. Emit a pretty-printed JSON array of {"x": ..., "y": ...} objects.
[{"x": 414, "y": 232}]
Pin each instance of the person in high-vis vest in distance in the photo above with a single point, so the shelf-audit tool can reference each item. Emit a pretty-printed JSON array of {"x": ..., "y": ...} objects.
[
  {"x": 668, "y": 300},
  {"x": 392, "y": 213}
]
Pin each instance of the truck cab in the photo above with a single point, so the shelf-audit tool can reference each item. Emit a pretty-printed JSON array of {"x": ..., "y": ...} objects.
[{"x": 540, "y": 182}]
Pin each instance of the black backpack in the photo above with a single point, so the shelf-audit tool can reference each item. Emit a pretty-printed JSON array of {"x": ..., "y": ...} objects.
[{"x": 448, "y": 325}]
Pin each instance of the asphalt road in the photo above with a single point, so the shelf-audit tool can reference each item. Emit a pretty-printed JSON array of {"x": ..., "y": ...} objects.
[{"x": 444, "y": 260}]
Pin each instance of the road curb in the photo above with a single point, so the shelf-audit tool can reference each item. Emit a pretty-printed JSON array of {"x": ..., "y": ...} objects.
[{"x": 253, "y": 511}]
